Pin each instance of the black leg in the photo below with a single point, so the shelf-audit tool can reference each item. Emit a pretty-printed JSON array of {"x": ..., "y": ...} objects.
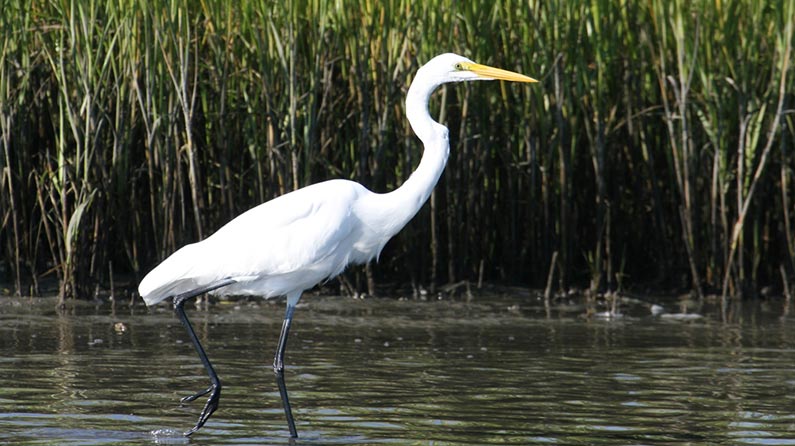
[
  {"x": 198, "y": 394},
  {"x": 215, "y": 387},
  {"x": 278, "y": 368},
  {"x": 288, "y": 412},
  {"x": 278, "y": 360}
]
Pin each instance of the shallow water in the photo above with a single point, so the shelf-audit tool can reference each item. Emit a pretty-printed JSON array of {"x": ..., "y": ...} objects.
[{"x": 497, "y": 370}]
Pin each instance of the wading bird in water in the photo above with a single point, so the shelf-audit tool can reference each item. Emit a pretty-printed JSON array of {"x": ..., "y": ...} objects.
[{"x": 295, "y": 241}]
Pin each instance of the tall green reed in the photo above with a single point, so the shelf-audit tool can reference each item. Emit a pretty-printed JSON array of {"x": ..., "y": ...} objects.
[{"x": 657, "y": 149}]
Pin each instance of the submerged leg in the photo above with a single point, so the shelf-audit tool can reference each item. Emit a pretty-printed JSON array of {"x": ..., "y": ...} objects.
[
  {"x": 215, "y": 387},
  {"x": 278, "y": 363},
  {"x": 288, "y": 412}
]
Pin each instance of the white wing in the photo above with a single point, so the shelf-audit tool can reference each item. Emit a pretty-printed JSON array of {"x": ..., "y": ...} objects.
[{"x": 287, "y": 244}]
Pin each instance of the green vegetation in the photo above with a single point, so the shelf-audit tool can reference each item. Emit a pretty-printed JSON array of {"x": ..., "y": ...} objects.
[{"x": 657, "y": 150}]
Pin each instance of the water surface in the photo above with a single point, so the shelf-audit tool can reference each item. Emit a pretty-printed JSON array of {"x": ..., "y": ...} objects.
[{"x": 496, "y": 370}]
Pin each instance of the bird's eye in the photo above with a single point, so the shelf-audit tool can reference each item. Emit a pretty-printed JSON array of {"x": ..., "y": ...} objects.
[{"x": 459, "y": 66}]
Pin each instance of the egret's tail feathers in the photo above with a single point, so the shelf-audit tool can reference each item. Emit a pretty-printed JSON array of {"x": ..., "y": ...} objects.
[
  {"x": 177, "y": 274},
  {"x": 159, "y": 294}
]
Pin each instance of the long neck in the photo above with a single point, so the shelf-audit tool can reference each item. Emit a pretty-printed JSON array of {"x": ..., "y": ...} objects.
[{"x": 405, "y": 201}]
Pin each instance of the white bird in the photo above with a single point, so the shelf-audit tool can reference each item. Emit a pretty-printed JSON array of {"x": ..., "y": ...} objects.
[{"x": 293, "y": 242}]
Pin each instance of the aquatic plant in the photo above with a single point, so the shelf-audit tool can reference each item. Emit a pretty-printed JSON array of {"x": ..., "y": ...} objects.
[{"x": 658, "y": 150}]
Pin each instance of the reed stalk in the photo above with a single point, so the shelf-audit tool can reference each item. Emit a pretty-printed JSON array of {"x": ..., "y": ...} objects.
[{"x": 656, "y": 150}]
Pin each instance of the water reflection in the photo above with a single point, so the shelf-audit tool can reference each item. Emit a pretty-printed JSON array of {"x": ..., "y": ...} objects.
[{"x": 490, "y": 371}]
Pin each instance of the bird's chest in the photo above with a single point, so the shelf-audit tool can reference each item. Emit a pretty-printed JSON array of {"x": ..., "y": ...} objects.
[{"x": 367, "y": 246}]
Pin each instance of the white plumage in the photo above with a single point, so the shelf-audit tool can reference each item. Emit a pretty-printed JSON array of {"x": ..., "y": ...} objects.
[
  {"x": 299, "y": 239},
  {"x": 288, "y": 244}
]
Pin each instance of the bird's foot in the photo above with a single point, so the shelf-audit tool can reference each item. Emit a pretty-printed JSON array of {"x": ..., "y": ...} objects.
[
  {"x": 209, "y": 407},
  {"x": 200, "y": 393}
]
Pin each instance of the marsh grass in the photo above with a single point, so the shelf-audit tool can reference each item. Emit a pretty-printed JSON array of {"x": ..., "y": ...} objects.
[{"x": 657, "y": 149}]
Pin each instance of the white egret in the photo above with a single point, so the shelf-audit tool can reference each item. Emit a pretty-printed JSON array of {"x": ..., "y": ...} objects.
[{"x": 295, "y": 241}]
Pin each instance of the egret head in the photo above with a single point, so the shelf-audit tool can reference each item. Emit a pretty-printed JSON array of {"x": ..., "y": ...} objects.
[
  {"x": 451, "y": 67},
  {"x": 442, "y": 69}
]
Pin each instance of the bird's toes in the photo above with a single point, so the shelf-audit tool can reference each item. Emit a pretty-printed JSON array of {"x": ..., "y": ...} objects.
[
  {"x": 190, "y": 432},
  {"x": 209, "y": 407},
  {"x": 190, "y": 398}
]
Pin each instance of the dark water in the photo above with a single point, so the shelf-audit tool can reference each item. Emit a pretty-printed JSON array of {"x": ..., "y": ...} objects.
[{"x": 501, "y": 370}]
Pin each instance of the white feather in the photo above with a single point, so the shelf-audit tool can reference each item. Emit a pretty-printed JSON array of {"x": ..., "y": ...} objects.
[{"x": 295, "y": 241}]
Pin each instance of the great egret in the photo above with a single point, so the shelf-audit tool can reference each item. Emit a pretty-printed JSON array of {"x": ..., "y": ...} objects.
[{"x": 293, "y": 242}]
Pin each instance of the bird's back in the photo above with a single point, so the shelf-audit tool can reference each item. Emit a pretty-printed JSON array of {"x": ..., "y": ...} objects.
[{"x": 285, "y": 245}]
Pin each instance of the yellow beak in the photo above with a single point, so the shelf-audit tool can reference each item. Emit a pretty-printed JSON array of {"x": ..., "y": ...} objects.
[{"x": 488, "y": 72}]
